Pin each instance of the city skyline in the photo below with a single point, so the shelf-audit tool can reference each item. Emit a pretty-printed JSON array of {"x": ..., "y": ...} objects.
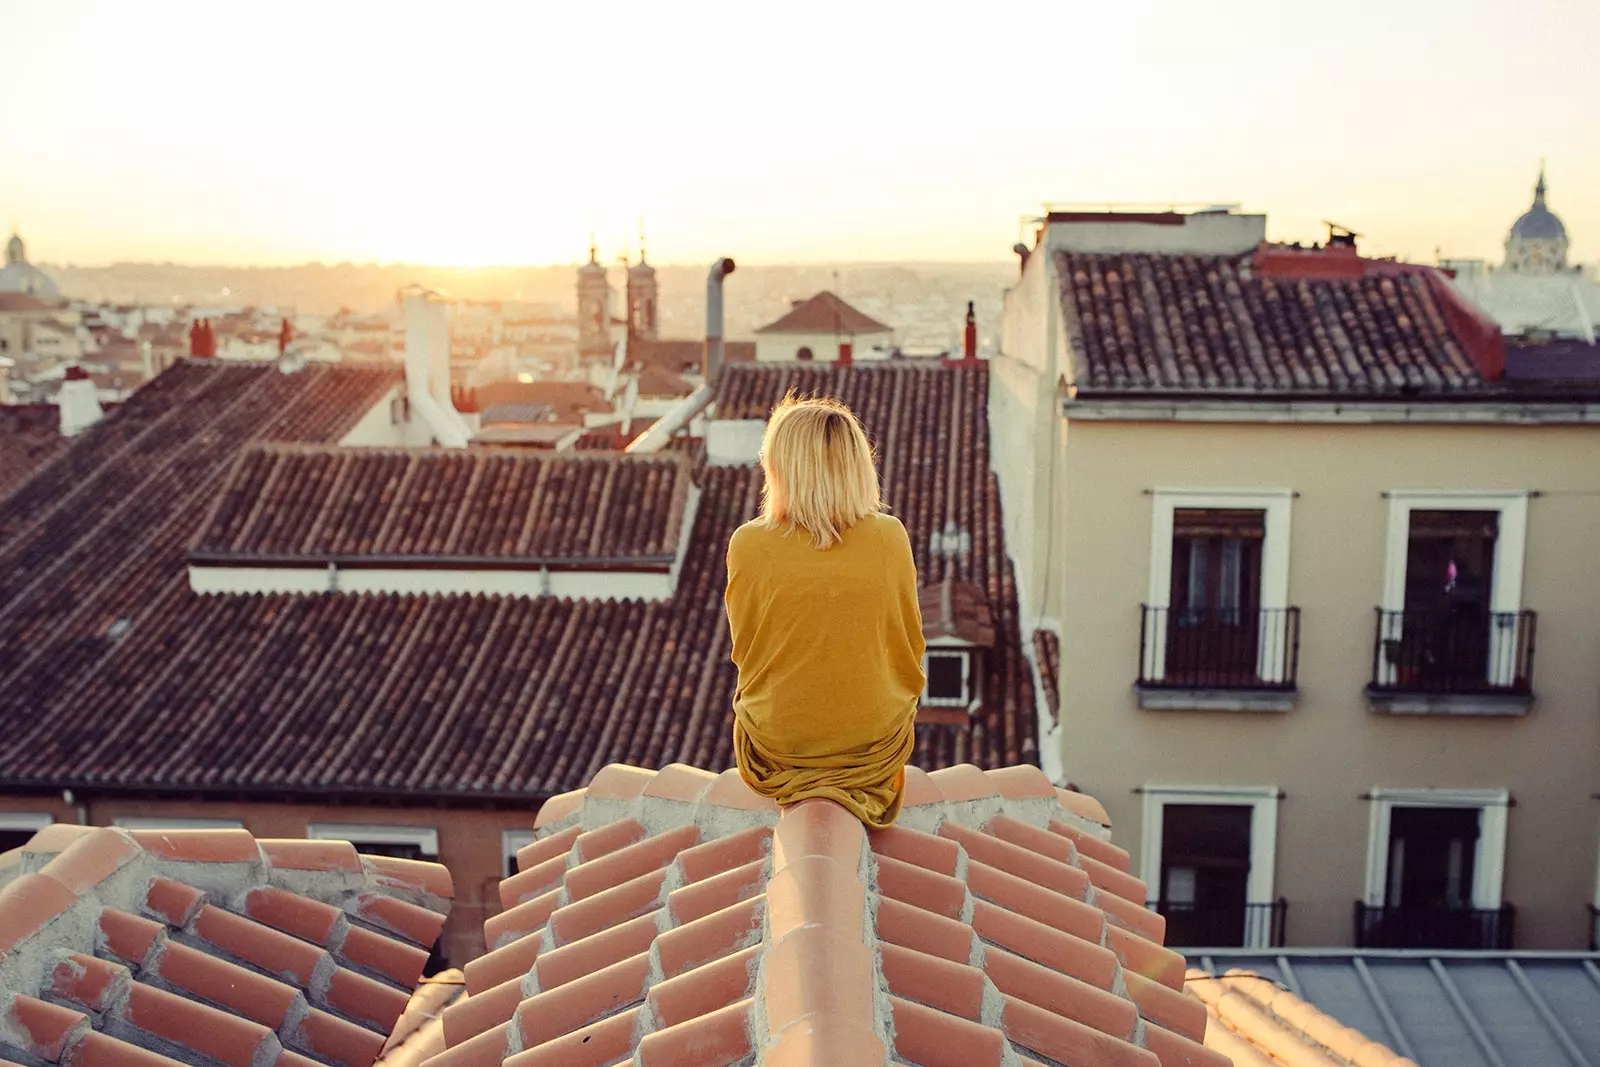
[{"x": 224, "y": 137}]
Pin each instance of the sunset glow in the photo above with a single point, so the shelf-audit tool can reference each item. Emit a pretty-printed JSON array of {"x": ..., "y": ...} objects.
[{"x": 496, "y": 133}]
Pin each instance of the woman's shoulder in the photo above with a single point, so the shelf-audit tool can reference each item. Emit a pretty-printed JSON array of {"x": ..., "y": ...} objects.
[{"x": 751, "y": 536}]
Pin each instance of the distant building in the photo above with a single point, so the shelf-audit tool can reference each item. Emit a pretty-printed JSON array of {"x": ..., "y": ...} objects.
[
  {"x": 1534, "y": 295},
  {"x": 20, "y": 276},
  {"x": 824, "y": 329}
]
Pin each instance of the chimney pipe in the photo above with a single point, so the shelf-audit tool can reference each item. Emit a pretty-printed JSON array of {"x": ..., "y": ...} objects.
[
  {"x": 714, "y": 347},
  {"x": 78, "y": 402},
  {"x": 656, "y": 437},
  {"x": 969, "y": 348}
]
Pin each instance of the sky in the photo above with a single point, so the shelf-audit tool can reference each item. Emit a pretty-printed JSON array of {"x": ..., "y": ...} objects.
[{"x": 466, "y": 133}]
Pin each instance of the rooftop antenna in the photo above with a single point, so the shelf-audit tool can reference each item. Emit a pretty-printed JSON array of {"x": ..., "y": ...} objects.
[{"x": 641, "y": 239}]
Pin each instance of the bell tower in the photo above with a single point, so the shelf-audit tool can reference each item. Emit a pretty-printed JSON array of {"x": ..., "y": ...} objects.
[
  {"x": 642, "y": 323},
  {"x": 594, "y": 311}
]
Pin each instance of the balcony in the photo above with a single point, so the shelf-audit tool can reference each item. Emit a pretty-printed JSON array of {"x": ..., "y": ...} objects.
[
  {"x": 1218, "y": 659},
  {"x": 1478, "y": 929},
  {"x": 1594, "y": 928},
  {"x": 1456, "y": 662},
  {"x": 1190, "y": 925}
]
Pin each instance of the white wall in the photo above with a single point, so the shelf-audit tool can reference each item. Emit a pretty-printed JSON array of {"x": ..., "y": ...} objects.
[
  {"x": 576, "y": 585},
  {"x": 1215, "y": 234},
  {"x": 734, "y": 442},
  {"x": 782, "y": 347},
  {"x": 377, "y": 428}
]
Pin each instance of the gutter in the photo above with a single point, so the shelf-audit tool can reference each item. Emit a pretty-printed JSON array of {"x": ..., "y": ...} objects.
[
  {"x": 656, "y": 437},
  {"x": 208, "y": 558},
  {"x": 85, "y": 793},
  {"x": 1527, "y": 409}
]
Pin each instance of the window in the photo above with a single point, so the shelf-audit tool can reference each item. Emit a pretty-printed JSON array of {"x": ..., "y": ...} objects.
[
  {"x": 18, "y": 828},
  {"x": 1208, "y": 858},
  {"x": 804, "y": 355},
  {"x": 1218, "y": 601},
  {"x": 396, "y": 842},
  {"x": 948, "y": 678},
  {"x": 1452, "y": 591},
  {"x": 1437, "y": 848},
  {"x": 175, "y": 822},
  {"x": 512, "y": 842}
]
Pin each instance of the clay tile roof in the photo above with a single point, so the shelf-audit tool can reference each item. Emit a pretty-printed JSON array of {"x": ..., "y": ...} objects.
[
  {"x": 30, "y": 436},
  {"x": 23, "y": 302},
  {"x": 1163, "y": 323},
  {"x": 1047, "y": 654},
  {"x": 824, "y": 313},
  {"x": 209, "y": 946},
  {"x": 419, "y": 1034},
  {"x": 1257, "y": 1024},
  {"x": 319, "y": 504},
  {"x": 673, "y": 918},
  {"x": 960, "y": 610},
  {"x": 567, "y": 401},
  {"x": 114, "y": 671},
  {"x": 685, "y": 356}
]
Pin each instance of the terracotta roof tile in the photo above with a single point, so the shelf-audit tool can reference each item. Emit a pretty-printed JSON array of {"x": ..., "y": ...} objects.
[
  {"x": 30, "y": 436},
  {"x": 828, "y": 944},
  {"x": 116, "y": 942},
  {"x": 113, "y": 670},
  {"x": 1259, "y": 1024},
  {"x": 1165, "y": 323},
  {"x": 684, "y": 356},
  {"x": 824, "y": 313},
  {"x": 1047, "y": 656}
]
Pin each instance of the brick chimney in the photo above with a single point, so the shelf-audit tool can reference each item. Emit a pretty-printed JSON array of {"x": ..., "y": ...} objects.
[{"x": 78, "y": 402}]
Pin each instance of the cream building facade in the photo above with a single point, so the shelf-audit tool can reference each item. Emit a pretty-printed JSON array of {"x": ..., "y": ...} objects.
[{"x": 1320, "y": 578}]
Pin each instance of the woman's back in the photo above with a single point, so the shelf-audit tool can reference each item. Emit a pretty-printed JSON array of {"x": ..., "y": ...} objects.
[{"x": 821, "y": 637}]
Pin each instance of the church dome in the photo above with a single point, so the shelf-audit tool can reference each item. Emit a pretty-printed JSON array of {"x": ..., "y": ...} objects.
[
  {"x": 20, "y": 276},
  {"x": 1538, "y": 240}
]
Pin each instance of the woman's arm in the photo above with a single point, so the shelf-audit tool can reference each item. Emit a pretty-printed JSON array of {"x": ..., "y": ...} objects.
[{"x": 902, "y": 574}]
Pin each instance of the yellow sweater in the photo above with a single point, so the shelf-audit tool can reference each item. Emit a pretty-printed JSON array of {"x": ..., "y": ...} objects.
[{"x": 829, "y": 650}]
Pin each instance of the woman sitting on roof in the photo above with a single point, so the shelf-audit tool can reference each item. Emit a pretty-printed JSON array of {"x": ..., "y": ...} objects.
[{"x": 822, "y": 605}]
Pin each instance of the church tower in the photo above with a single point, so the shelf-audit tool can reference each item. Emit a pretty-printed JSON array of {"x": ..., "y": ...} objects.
[
  {"x": 642, "y": 322},
  {"x": 594, "y": 311},
  {"x": 1538, "y": 240}
]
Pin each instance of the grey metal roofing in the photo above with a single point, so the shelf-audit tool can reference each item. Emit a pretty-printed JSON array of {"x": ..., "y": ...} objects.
[{"x": 1446, "y": 1009}]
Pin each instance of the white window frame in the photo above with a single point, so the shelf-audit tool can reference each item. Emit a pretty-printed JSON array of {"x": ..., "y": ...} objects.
[
  {"x": 425, "y": 838},
  {"x": 965, "y": 700},
  {"x": 25, "y": 820},
  {"x": 1271, "y": 661},
  {"x": 1262, "y": 800},
  {"x": 1488, "y": 861},
  {"x": 512, "y": 842},
  {"x": 1510, "y": 554},
  {"x": 162, "y": 822}
]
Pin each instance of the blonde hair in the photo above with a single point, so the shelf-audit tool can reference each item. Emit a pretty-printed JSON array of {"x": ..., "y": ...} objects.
[{"x": 819, "y": 467}]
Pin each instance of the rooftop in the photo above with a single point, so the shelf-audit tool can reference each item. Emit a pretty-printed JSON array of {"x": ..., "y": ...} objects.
[
  {"x": 152, "y": 948},
  {"x": 824, "y": 313},
  {"x": 1273, "y": 321},
  {"x": 30, "y": 435},
  {"x": 674, "y": 918},
  {"x": 116, "y": 675}
]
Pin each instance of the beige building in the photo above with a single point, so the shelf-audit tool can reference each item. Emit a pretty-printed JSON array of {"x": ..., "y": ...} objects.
[{"x": 1294, "y": 533}]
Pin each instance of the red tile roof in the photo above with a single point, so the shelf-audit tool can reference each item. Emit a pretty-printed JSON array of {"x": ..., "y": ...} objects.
[
  {"x": 674, "y": 917},
  {"x": 568, "y": 401},
  {"x": 1162, "y": 323},
  {"x": 128, "y": 948},
  {"x": 824, "y": 313},
  {"x": 320, "y": 503},
  {"x": 115, "y": 674},
  {"x": 1258, "y": 1024},
  {"x": 685, "y": 357},
  {"x": 1047, "y": 654},
  {"x": 30, "y": 436},
  {"x": 956, "y": 609},
  {"x": 23, "y": 302}
]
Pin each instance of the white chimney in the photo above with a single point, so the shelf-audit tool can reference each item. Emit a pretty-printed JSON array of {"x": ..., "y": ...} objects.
[
  {"x": 79, "y": 404},
  {"x": 428, "y": 367}
]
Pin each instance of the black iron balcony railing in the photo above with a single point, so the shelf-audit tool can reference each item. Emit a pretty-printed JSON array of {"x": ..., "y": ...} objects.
[
  {"x": 1594, "y": 928},
  {"x": 1207, "y": 926},
  {"x": 1218, "y": 648},
  {"x": 1402, "y": 926},
  {"x": 1461, "y": 650}
]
